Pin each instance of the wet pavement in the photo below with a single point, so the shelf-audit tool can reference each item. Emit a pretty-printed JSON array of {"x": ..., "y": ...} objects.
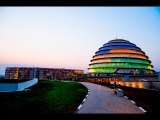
[{"x": 102, "y": 100}]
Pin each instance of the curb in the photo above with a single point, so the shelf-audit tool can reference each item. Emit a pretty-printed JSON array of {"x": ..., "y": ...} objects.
[
  {"x": 79, "y": 107},
  {"x": 136, "y": 105}
]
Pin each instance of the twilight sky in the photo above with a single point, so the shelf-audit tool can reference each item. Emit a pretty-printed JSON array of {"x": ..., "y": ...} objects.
[{"x": 68, "y": 37}]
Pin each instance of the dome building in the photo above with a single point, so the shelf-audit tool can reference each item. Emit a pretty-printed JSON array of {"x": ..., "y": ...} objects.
[{"x": 120, "y": 57}]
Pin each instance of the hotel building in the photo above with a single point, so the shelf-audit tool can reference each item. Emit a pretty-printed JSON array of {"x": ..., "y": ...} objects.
[{"x": 40, "y": 73}]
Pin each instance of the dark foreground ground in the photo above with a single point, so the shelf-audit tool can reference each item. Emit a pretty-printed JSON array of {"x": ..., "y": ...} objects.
[
  {"x": 147, "y": 99},
  {"x": 46, "y": 97}
]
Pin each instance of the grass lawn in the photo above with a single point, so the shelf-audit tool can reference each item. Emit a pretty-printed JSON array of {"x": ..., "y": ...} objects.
[{"x": 47, "y": 97}]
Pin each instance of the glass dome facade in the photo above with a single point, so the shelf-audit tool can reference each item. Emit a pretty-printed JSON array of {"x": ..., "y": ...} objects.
[{"x": 120, "y": 56}]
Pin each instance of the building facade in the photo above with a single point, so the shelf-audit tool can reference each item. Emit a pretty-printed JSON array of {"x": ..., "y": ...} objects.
[
  {"x": 123, "y": 63},
  {"x": 121, "y": 57},
  {"x": 41, "y": 73}
]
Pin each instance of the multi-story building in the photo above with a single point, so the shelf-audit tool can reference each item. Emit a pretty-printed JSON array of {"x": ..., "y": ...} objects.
[{"x": 40, "y": 73}]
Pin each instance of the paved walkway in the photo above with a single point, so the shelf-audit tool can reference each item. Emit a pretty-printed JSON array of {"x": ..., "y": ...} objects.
[{"x": 102, "y": 100}]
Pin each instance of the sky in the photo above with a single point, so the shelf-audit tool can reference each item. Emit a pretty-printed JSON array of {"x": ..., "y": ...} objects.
[{"x": 68, "y": 37}]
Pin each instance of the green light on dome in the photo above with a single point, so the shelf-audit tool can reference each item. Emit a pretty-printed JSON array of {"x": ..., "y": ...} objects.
[
  {"x": 104, "y": 70},
  {"x": 128, "y": 60},
  {"x": 120, "y": 65}
]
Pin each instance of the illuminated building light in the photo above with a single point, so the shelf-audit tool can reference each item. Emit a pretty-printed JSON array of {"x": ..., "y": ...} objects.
[
  {"x": 120, "y": 65},
  {"x": 104, "y": 70},
  {"x": 133, "y": 84},
  {"x": 41, "y": 73},
  {"x": 119, "y": 46},
  {"x": 122, "y": 83},
  {"x": 140, "y": 85},
  {"x": 120, "y": 56},
  {"x": 129, "y": 55},
  {"x": 128, "y": 84},
  {"x": 125, "y": 51},
  {"x": 111, "y": 82},
  {"x": 112, "y": 70},
  {"x": 128, "y": 60},
  {"x": 117, "y": 83}
]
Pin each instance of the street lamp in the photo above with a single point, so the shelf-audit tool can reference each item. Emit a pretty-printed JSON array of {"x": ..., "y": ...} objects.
[
  {"x": 114, "y": 75},
  {"x": 114, "y": 84}
]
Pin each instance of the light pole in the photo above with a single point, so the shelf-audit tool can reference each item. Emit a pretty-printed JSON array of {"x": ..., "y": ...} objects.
[
  {"x": 114, "y": 85},
  {"x": 114, "y": 75}
]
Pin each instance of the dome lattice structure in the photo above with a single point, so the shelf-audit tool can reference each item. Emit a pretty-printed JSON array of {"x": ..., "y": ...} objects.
[{"x": 120, "y": 56}]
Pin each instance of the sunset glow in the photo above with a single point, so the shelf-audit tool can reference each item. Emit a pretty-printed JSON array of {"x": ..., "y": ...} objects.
[{"x": 67, "y": 37}]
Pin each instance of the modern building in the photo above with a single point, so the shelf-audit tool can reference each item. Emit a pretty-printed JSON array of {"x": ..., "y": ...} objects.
[
  {"x": 122, "y": 62},
  {"x": 120, "y": 57},
  {"x": 41, "y": 73}
]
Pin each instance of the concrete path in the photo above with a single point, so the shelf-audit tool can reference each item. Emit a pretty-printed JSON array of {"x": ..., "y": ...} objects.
[{"x": 102, "y": 100}]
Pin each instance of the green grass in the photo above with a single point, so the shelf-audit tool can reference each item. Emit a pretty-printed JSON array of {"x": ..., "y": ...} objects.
[{"x": 47, "y": 97}]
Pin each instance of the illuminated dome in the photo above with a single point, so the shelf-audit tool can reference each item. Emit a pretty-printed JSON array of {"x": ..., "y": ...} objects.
[{"x": 120, "y": 56}]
